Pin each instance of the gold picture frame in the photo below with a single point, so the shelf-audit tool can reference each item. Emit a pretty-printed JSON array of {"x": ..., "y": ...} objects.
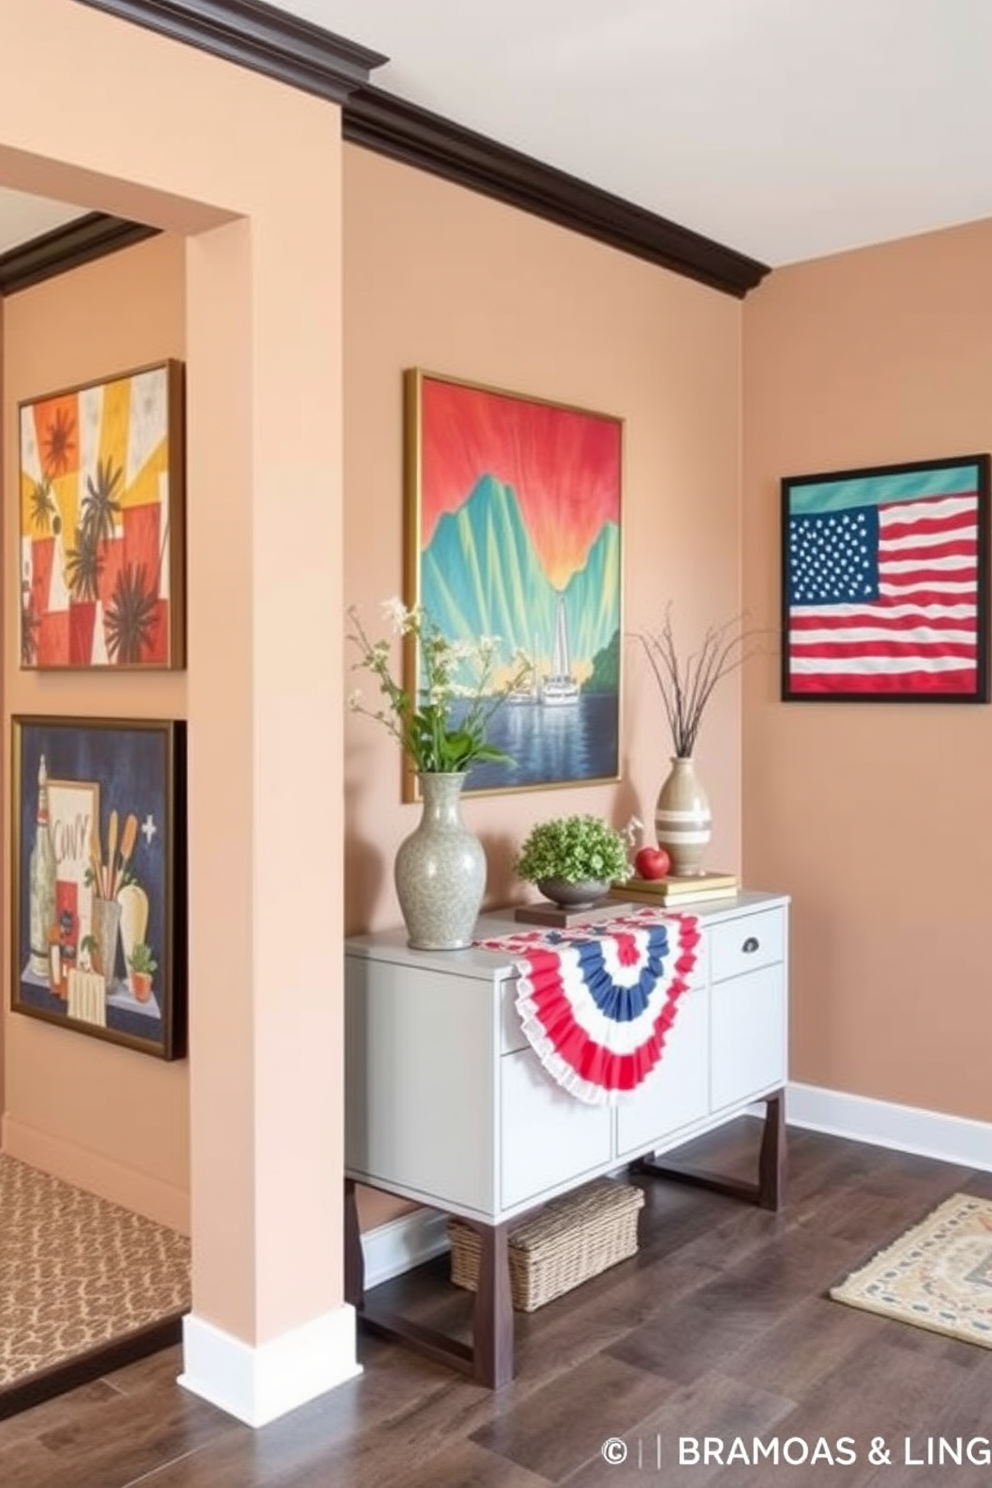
[
  {"x": 513, "y": 529},
  {"x": 102, "y": 524}
]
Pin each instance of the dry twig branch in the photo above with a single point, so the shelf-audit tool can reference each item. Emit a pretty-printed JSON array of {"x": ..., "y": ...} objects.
[{"x": 686, "y": 686}]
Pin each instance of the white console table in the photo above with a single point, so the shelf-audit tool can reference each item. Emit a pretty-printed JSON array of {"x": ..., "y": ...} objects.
[{"x": 447, "y": 1104}]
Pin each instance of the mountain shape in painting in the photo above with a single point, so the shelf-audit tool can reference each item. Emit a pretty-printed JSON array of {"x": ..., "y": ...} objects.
[{"x": 480, "y": 575}]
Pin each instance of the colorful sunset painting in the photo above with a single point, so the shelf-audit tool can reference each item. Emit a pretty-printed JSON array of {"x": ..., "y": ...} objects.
[
  {"x": 513, "y": 530},
  {"x": 101, "y": 547}
]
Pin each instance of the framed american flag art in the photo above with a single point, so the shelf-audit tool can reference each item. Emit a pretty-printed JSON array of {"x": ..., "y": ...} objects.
[{"x": 885, "y": 583}]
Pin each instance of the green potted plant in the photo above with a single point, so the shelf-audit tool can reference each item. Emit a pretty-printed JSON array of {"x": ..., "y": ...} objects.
[
  {"x": 573, "y": 860},
  {"x": 142, "y": 968}
]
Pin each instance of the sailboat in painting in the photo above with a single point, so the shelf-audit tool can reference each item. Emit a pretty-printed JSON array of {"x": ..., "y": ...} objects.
[
  {"x": 560, "y": 686},
  {"x": 530, "y": 692}
]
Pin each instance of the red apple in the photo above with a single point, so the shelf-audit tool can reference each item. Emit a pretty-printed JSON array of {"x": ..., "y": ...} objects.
[{"x": 652, "y": 862}]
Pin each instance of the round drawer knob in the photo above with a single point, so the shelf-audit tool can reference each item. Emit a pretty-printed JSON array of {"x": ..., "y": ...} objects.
[{"x": 751, "y": 944}]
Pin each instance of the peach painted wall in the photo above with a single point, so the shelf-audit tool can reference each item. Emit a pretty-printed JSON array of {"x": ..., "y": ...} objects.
[
  {"x": 877, "y": 818},
  {"x": 263, "y": 345},
  {"x": 440, "y": 278},
  {"x": 114, "y": 1121}
]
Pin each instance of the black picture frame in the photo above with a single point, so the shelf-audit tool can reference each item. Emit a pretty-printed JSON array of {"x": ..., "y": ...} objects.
[
  {"x": 885, "y": 583},
  {"x": 98, "y": 880}
]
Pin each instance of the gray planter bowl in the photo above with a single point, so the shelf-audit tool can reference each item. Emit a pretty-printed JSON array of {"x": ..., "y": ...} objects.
[{"x": 582, "y": 895}]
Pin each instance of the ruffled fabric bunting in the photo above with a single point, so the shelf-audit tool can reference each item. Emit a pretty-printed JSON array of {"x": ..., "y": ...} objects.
[{"x": 597, "y": 1010}]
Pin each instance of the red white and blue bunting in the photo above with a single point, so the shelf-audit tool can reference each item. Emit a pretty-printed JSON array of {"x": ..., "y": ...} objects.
[{"x": 596, "y": 1007}]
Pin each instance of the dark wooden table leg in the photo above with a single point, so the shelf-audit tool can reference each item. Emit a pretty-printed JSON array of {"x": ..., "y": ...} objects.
[
  {"x": 354, "y": 1257},
  {"x": 489, "y": 1359},
  {"x": 771, "y": 1158},
  {"x": 768, "y": 1192},
  {"x": 492, "y": 1322}
]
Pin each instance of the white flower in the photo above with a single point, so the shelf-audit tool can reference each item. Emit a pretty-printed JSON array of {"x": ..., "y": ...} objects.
[
  {"x": 632, "y": 831},
  {"x": 355, "y": 699},
  {"x": 435, "y": 738},
  {"x": 397, "y": 614}
]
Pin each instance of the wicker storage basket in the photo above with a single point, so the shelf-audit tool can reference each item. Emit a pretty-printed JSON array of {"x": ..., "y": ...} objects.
[{"x": 573, "y": 1238}]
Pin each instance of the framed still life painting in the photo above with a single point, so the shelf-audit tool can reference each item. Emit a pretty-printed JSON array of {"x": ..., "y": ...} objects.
[
  {"x": 98, "y": 917},
  {"x": 101, "y": 523},
  {"x": 885, "y": 583},
  {"x": 513, "y": 533}
]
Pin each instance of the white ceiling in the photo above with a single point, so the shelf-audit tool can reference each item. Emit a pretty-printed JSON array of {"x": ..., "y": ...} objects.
[
  {"x": 25, "y": 217},
  {"x": 785, "y": 129}
]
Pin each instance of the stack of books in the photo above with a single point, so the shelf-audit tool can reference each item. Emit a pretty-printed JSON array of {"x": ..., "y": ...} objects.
[{"x": 675, "y": 892}]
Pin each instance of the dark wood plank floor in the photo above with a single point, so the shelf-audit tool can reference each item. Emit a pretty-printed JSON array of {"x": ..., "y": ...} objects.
[{"x": 720, "y": 1327}]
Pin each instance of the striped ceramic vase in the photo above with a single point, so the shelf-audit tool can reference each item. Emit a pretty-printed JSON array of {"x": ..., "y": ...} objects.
[{"x": 682, "y": 821}]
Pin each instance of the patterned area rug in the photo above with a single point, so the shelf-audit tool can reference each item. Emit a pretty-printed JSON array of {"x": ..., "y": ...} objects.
[
  {"x": 77, "y": 1273},
  {"x": 937, "y": 1276}
]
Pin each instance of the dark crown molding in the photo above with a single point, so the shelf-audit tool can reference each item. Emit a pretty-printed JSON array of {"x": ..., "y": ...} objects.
[
  {"x": 271, "y": 41},
  {"x": 379, "y": 121},
  {"x": 77, "y": 242},
  {"x": 257, "y": 36}
]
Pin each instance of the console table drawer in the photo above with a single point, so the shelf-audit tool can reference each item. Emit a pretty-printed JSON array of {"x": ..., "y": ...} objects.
[
  {"x": 747, "y": 1036},
  {"x": 547, "y": 1137},
  {"x": 744, "y": 944},
  {"x": 677, "y": 1092}
]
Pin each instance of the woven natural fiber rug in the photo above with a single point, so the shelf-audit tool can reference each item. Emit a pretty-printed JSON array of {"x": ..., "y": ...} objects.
[
  {"x": 77, "y": 1273},
  {"x": 937, "y": 1276}
]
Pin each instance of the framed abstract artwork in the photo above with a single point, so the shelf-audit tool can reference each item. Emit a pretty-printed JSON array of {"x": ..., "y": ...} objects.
[
  {"x": 98, "y": 925},
  {"x": 101, "y": 523},
  {"x": 513, "y": 532},
  {"x": 885, "y": 583}
]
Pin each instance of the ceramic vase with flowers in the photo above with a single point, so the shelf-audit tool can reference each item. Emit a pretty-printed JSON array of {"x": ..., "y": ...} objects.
[
  {"x": 683, "y": 820},
  {"x": 441, "y": 726}
]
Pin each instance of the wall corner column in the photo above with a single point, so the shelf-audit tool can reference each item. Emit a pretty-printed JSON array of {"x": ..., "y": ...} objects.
[{"x": 269, "y": 1328}]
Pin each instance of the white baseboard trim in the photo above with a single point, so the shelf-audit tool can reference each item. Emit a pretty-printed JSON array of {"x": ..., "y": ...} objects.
[
  {"x": 393, "y": 1248},
  {"x": 955, "y": 1139},
  {"x": 400, "y": 1244},
  {"x": 259, "y": 1384}
]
